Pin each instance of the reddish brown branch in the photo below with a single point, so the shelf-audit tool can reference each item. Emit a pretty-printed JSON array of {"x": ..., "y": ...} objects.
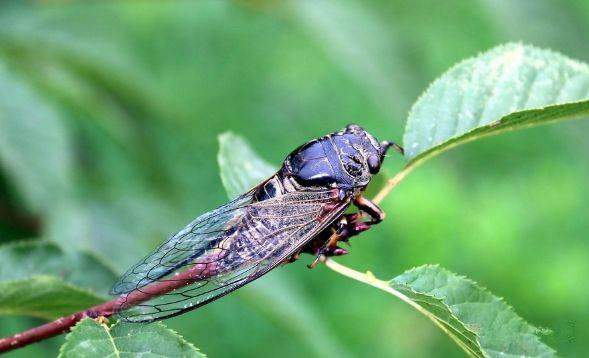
[{"x": 107, "y": 309}]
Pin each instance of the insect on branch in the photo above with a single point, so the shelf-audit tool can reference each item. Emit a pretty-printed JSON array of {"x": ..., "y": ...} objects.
[
  {"x": 299, "y": 209},
  {"x": 104, "y": 310}
]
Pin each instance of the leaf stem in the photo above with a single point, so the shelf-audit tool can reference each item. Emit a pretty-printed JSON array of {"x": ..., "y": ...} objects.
[
  {"x": 393, "y": 182},
  {"x": 369, "y": 279}
]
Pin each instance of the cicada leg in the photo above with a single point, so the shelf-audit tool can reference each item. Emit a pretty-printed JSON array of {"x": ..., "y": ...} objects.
[
  {"x": 292, "y": 258},
  {"x": 340, "y": 231},
  {"x": 347, "y": 226},
  {"x": 101, "y": 320},
  {"x": 352, "y": 226},
  {"x": 376, "y": 214}
]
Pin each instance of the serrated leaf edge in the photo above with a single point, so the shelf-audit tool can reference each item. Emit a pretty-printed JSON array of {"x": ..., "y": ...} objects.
[
  {"x": 581, "y": 66},
  {"x": 500, "y": 128},
  {"x": 181, "y": 337},
  {"x": 108, "y": 330},
  {"x": 68, "y": 335},
  {"x": 369, "y": 279},
  {"x": 449, "y": 330},
  {"x": 536, "y": 330}
]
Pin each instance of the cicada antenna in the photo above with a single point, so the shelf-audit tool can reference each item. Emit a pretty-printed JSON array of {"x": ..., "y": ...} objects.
[{"x": 385, "y": 145}]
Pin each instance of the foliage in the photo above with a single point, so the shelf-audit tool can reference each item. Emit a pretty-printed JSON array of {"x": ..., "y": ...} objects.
[
  {"x": 108, "y": 119},
  {"x": 24, "y": 145},
  {"x": 240, "y": 167},
  {"x": 91, "y": 339},
  {"x": 507, "y": 88},
  {"x": 481, "y": 323},
  {"x": 39, "y": 279}
]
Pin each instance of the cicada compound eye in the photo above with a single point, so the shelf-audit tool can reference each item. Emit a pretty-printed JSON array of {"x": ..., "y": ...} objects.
[{"x": 373, "y": 164}]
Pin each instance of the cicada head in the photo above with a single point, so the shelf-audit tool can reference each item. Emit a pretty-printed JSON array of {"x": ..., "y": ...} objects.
[
  {"x": 360, "y": 153},
  {"x": 346, "y": 159}
]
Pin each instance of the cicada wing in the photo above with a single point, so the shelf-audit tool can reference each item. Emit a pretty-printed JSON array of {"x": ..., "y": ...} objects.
[
  {"x": 196, "y": 239},
  {"x": 263, "y": 235}
]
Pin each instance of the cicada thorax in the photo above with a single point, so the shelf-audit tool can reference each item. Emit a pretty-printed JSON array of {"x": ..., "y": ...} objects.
[{"x": 273, "y": 187}]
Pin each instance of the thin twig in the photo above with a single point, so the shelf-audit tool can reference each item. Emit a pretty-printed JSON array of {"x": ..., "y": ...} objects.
[
  {"x": 107, "y": 309},
  {"x": 392, "y": 183},
  {"x": 369, "y": 279}
]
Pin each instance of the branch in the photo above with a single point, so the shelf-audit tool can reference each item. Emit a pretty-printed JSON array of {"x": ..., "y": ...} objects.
[
  {"x": 392, "y": 182},
  {"x": 54, "y": 328},
  {"x": 107, "y": 309}
]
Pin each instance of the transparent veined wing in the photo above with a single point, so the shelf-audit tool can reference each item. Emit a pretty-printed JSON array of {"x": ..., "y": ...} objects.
[
  {"x": 222, "y": 251},
  {"x": 194, "y": 240}
]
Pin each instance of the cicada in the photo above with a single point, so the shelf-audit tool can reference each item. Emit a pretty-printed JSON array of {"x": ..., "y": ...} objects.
[{"x": 300, "y": 209}]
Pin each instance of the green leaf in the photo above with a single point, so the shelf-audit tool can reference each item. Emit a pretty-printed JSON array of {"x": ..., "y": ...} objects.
[
  {"x": 91, "y": 339},
  {"x": 481, "y": 323},
  {"x": 25, "y": 259},
  {"x": 35, "y": 150},
  {"x": 241, "y": 167},
  {"x": 79, "y": 76},
  {"x": 39, "y": 279},
  {"x": 44, "y": 297},
  {"x": 509, "y": 87}
]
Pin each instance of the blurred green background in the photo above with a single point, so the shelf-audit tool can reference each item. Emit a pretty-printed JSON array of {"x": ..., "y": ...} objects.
[{"x": 114, "y": 110}]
